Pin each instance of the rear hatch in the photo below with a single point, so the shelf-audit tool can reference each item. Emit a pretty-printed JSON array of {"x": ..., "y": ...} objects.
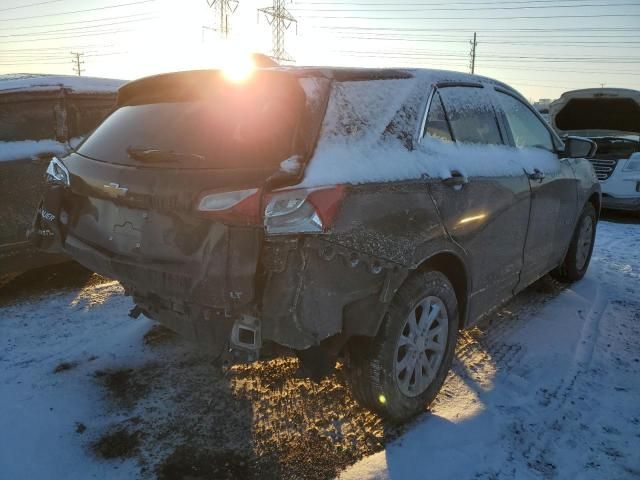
[{"x": 138, "y": 180}]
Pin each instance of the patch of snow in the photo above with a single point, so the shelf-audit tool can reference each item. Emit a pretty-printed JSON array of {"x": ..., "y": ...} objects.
[
  {"x": 14, "y": 83},
  {"x": 291, "y": 164},
  {"x": 548, "y": 395},
  {"x": 362, "y": 140},
  {"x": 31, "y": 149},
  {"x": 551, "y": 392}
]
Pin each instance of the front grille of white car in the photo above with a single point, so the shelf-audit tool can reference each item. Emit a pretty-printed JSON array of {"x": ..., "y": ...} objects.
[{"x": 604, "y": 168}]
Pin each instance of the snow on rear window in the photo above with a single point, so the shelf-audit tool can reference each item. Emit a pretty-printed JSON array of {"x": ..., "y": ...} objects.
[{"x": 355, "y": 146}]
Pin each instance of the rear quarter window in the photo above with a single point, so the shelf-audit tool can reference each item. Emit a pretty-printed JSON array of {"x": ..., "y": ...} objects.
[{"x": 471, "y": 115}]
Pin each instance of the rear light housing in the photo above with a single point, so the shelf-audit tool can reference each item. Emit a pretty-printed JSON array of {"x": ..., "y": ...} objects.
[
  {"x": 305, "y": 210},
  {"x": 302, "y": 210},
  {"x": 238, "y": 207}
]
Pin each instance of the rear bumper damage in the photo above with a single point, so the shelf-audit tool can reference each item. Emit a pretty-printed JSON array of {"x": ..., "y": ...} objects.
[{"x": 234, "y": 291}]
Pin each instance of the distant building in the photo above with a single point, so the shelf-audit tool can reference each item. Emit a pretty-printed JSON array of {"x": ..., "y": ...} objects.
[{"x": 542, "y": 106}]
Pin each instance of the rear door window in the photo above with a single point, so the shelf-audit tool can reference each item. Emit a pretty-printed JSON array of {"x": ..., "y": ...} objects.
[
  {"x": 527, "y": 129},
  {"x": 471, "y": 115},
  {"x": 437, "y": 125}
]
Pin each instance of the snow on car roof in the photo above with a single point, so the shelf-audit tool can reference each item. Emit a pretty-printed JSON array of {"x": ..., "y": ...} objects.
[
  {"x": 370, "y": 135},
  {"x": 28, "y": 83}
]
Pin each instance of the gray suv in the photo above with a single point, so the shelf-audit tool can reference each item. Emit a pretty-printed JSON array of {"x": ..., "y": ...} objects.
[{"x": 354, "y": 214}]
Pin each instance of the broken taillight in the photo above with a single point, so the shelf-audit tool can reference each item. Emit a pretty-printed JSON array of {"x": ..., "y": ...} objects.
[
  {"x": 309, "y": 210},
  {"x": 305, "y": 210}
]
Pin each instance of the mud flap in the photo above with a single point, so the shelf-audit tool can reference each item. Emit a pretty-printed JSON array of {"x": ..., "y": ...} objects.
[{"x": 46, "y": 232}]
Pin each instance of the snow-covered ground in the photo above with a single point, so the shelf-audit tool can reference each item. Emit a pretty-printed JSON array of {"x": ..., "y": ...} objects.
[
  {"x": 549, "y": 389},
  {"x": 552, "y": 393}
]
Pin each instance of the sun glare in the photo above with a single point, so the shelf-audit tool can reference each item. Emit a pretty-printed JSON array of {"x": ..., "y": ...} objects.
[{"x": 237, "y": 68}]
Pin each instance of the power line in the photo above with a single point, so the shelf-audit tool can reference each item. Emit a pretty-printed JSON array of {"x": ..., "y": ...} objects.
[
  {"x": 541, "y": 43},
  {"x": 519, "y": 17},
  {"x": 140, "y": 2},
  {"x": 73, "y": 29},
  {"x": 494, "y": 66},
  {"x": 476, "y": 8},
  {"x": 82, "y": 21},
  {"x": 439, "y": 3},
  {"x": 28, "y": 5},
  {"x": 46, "y": 39},
  {"x": 52, "y": 48},
  {"x": 280, "y": 20},
  {"x": 63, "y": 60},
  {"x": 457, "y": 29}
]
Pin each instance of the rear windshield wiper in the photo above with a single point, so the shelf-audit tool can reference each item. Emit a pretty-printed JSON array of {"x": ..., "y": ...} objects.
[{"x": 153, "y": 155}]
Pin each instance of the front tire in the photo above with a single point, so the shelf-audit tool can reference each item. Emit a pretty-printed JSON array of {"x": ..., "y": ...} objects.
[
  {"x": 576, "y": 262},
  {"x": 400, "y": 371}
]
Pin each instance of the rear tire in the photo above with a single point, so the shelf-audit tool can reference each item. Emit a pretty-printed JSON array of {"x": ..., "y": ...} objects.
[
  {"x": 576, "y": 262},
  {"x": 400, "y": 371}
]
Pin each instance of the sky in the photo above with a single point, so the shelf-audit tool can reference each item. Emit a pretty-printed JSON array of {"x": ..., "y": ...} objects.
[{"x": 541, "y": 47}]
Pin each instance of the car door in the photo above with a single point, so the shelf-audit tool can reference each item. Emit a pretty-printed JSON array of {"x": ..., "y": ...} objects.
[
  {"x": 554, "y": 193},
  {"x": 485, "y": 207}
]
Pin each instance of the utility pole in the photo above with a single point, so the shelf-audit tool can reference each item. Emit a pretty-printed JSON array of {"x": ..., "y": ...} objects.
[
  {"x": 472, "y": 53},
  {"x": 280, "y": 20},
  {"x": 223, "y": 8},
  {"x": 77, "y": 67}
]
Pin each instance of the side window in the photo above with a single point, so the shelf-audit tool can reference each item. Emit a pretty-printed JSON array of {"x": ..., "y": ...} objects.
[
  {"x": 471, "y": 115},
  {"x": 437, "y": 125},
  {"x": 527, "y": 129}
]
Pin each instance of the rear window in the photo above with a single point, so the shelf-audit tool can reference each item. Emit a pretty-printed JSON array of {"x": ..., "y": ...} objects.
[{"x": 223, "y": 126}]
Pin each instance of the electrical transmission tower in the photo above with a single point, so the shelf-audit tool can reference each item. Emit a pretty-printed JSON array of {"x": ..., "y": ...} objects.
[
  {"x": 223, "y": 8},
  {"x": 77, "y": 63},
  {"x": 472, "y": 53},
  {"x": 280, "y": 20}
]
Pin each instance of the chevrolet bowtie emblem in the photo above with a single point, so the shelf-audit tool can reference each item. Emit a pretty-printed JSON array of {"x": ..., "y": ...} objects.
[{"x": 116, "y": 189}]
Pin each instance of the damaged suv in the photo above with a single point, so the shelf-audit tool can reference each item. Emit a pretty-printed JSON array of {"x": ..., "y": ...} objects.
[{"x": 367, "y": 215}]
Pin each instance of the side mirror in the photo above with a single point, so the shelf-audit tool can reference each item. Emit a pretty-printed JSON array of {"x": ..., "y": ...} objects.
[{"x": 579, "y": 147}]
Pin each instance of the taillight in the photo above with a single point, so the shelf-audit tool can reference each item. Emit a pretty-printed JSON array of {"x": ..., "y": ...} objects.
[
  {"x": 310, "y": 210},
  {"x": 239, "y": 207}
]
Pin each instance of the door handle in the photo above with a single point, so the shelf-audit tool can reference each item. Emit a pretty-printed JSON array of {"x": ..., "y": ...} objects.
[
  {"x": 456, "y": 179},
  {"x": 536, "y": 175}
]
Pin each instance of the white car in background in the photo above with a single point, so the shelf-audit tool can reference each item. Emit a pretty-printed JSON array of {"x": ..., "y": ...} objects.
[{"x": 611, "y": 118}]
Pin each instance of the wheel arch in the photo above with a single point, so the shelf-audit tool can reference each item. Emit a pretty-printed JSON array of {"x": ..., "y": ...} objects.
[
  {"x": 453, "y": 267},
  {"x": 596, "y": 200}
]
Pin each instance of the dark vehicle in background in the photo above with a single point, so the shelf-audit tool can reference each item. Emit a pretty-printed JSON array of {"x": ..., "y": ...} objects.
[
  {"x": 40, "y": 116},
  {"x": 611, "y": 118},
  {"x": 360, "y": 214}
]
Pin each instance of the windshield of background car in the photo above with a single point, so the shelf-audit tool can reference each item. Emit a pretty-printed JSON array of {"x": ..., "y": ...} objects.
[{"x": 214, "y": 124}]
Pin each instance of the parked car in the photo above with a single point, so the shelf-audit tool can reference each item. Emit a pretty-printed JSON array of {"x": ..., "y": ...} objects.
[
  {"x": 40, "y": 116},
  {"x": 354, "y": 213},
  {"x": 611, "y": 118}
]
